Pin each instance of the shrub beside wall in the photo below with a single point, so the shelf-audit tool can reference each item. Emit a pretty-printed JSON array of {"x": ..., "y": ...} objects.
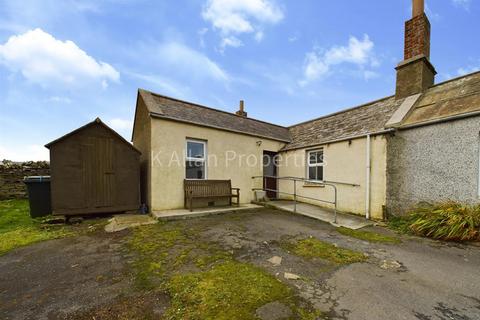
[{"x": 12, "y": 174}]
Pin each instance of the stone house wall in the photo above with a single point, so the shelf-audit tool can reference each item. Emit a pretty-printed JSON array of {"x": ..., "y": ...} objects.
[{"x": 433, "y": 163}]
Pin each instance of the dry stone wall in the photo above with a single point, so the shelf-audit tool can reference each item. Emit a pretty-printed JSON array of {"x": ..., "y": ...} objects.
[{"x": 12, "y": 174}]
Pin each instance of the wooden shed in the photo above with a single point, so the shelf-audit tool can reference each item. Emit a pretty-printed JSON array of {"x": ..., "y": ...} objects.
[{"x": 94, "y": 170}]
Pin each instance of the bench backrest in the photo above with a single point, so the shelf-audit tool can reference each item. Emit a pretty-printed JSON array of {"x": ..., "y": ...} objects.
[{"x": 208, "y": 187}]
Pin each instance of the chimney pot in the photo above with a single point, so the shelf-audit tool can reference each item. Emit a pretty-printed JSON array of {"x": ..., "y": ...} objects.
[
  {"x": 418, "y": 8},
  {"x": 241, "y": 112},
  {"x": 415, "y": 73}
]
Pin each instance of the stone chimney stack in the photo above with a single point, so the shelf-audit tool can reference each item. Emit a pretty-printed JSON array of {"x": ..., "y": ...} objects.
[
  {"x": 415, "y": 73},
  {"x": 241, "y": 112}
]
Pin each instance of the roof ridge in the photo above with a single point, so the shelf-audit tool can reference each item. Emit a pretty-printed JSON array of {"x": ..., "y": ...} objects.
[
  {"x": 213, "y": 109},
  {"x": 455, "y": 79},
  {"x": 88, "y": 124},
  {"x": 341, "y": 111}
]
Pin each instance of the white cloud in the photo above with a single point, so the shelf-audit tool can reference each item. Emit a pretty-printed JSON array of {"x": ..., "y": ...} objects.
[
  {"x": 368, "y": 74},
  {"x": 466, "y": 70},
  {"x": 241, "y": 16},
  {"x": 188, "y": 60},
  {"x": 292, "y": 38},
  {"x": 433, "y": 15},
  {"x": 44, "y": 60},
  {"x": 120, "y": 124},
  {"x": 201, "y": 34},
  {"x": 230, "y": 41},
  {"x": 162, "y": 84},
  {"x": 259, "y": 36},
  {"x": 33, "y": 152},
  {"x": 462, "y": 3},
  {"x": 60, "y": 100},
  {"x": 358, "y": 52}
]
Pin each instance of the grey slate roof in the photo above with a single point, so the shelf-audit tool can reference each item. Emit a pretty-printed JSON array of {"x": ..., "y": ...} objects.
[
  {"x": 456, "y": 97},
  {"x": 365, "y": 119},
  {"x": 444, "y": 101},
  {"x": 178, "y": 110},
  {"x": 453, "y": 98}
]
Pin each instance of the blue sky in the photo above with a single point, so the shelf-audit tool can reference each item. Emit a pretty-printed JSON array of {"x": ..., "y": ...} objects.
[{"x": 63, "y": 63}]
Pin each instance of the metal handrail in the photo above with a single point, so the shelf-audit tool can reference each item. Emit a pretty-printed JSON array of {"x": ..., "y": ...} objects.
[{"x": 294, "y": 194}]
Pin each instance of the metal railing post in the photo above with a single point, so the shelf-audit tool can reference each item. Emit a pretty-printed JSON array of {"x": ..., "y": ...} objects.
[
  {"x": 330, "y": 184},
  {"x": 295, "y": 196},
  {"x": 335, "y": 210}
]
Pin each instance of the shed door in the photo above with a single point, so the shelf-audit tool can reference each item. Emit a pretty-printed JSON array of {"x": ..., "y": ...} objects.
[{"x": 99, "y": 173}]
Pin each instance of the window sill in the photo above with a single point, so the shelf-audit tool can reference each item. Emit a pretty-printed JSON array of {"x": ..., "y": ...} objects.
[{"x": 313, "y": 185}]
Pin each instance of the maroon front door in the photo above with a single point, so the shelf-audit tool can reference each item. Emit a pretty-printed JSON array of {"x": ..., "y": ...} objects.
[{"x": 270, "y": 170}]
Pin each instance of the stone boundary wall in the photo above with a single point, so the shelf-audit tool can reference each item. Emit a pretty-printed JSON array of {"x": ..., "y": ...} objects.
[{"x": 12, "y": 174}]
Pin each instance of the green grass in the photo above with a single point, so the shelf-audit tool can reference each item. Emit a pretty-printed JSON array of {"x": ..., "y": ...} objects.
[
  {"x": 204, "y": 280},
  {"x": 231, "y": 290},
  {"x": 368, "y": 236},
  {"x": 162, "y": 249},
  {"x": 450, "y": 221},
  {"x": 313, "y": 248},
  {"x": 17, "y": 229},
  {"x": 400, "y": 224}
]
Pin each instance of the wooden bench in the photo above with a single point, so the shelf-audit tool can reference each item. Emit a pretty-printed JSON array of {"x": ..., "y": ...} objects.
[{"x": 204, "y": 189}]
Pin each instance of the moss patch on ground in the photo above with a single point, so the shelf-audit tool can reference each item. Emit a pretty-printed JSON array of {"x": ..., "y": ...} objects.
[
  {"x": 163, "y": 249},
  {"x": 18, "y": 229},
  {"x": 231, "y": 290},
  {"x": 368, "y": 236},
  {"x": 311, "y": 248},
  {"x": 203, "y": 280}
]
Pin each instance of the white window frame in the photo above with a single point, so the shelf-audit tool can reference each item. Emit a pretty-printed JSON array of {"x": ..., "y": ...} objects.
[
  {"x": 322, "y": 164},
  {"x": 204, "y": 159}
]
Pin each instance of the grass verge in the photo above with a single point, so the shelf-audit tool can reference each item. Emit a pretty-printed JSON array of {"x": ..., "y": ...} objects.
[
  {"x": 368, "y": 236},
  {"x": 18, "y": 229},
  {"x": 313, "y": 248}
]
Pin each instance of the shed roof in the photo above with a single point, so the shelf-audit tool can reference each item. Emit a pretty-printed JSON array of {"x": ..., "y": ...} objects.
[
  {"x": 97, "y": 121},
  {"x": 174, "y": 109},
  {"x": 447, "y": 100}
]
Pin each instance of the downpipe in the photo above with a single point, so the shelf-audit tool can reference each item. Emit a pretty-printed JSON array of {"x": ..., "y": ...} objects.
[{"x": 367, "y": 177}]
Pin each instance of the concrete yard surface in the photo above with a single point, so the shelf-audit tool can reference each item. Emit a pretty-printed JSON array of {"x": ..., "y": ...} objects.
[
  {"x": 322, "y": 214},
  {"x": 89, "y": 277},
  {"x": 179, "y": 214},
  {"x": 124, "y": 221}
]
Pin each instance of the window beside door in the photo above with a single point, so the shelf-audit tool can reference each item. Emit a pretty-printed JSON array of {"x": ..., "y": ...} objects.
[
  {"x": 195, "y": 160},
  {"x": 315, "y": 165}
]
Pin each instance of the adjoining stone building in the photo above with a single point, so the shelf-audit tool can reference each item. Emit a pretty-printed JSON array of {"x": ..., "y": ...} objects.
[
  {"x": 420, "y": 144},
  {"x": 433, "y": 154}
]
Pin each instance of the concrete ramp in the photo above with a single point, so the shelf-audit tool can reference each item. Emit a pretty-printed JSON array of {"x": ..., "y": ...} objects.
[{"x": 319, "y": 213}]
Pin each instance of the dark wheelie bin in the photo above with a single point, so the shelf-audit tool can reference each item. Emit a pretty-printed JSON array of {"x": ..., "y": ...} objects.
[{"x": 39, "y": 195}]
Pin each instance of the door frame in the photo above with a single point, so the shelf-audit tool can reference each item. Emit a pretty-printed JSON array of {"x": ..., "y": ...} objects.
[{"x": 265, "y": 182}]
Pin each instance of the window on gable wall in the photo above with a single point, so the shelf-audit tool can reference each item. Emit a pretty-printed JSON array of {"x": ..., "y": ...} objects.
[
  {"x": 195, "y": 164},
  {"x": 315, "y": 165}
]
